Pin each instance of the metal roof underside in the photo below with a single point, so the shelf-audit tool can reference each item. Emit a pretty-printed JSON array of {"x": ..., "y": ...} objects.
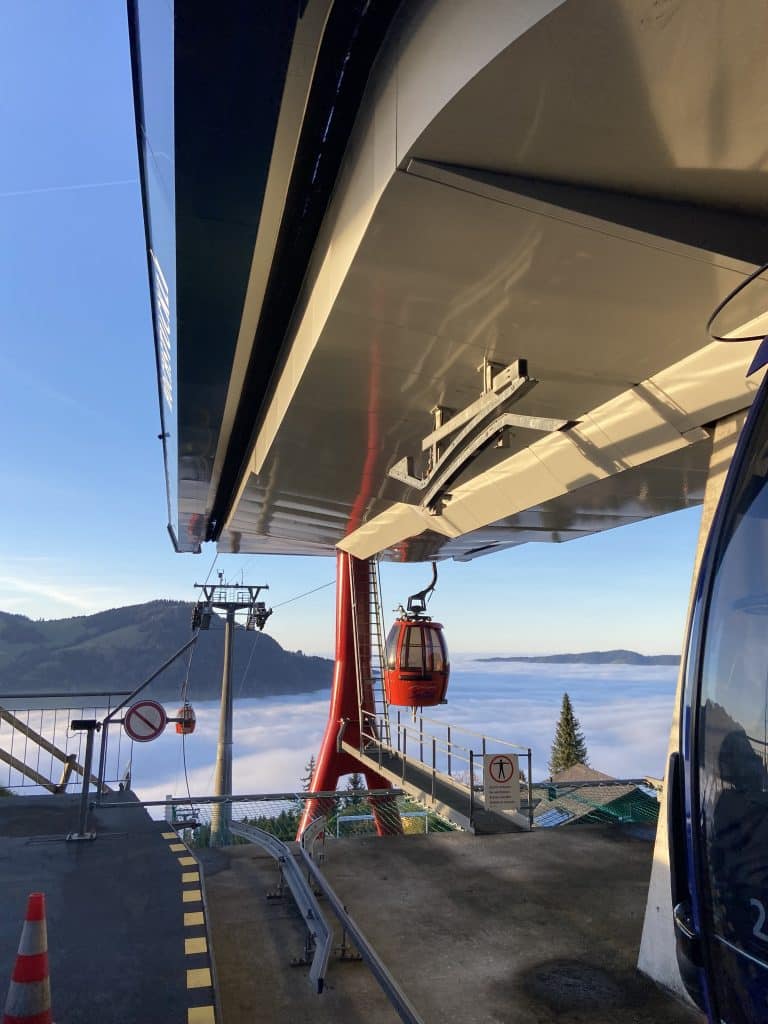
[{"x": 483, "y": 201}]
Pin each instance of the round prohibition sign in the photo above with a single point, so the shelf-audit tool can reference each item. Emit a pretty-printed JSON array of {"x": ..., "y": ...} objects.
[
  {"x": 145, "y": 720},
  {"x": 501, "y": 768}
]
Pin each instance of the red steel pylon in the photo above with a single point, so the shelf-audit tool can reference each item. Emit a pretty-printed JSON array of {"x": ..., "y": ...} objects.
[
  {"x": 352, "y": 584},
  {"x": 29, "y": 997}
]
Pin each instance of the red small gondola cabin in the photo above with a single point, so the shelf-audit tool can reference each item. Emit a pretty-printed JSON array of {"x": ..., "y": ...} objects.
[{"x": 417, "y": 669}]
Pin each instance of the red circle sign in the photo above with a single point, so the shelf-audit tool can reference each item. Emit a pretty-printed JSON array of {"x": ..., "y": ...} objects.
[
  {"x": 145, "y": 720},
  {"x": 501, "y": 768}
]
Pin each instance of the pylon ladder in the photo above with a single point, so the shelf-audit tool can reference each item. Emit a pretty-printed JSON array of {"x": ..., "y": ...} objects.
[
  {"x": 369, "y": 659},
  {"x": 378, "y": 652}
]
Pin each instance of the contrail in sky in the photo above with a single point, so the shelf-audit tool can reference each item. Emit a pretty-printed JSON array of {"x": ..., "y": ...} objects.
[{"x": 67, "y": 188}]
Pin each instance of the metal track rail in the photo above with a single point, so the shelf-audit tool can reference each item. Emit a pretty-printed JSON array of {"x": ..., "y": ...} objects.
[
  {"x": 389, "y": 986},
  {"x": 301, "y": 890}
]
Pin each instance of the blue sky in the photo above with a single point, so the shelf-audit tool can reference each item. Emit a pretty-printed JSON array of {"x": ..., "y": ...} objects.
[{"x": 84, "y": 523}]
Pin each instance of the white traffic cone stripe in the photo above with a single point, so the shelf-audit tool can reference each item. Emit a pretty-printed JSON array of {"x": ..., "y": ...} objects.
[
  {"x": 34, "y": 938},
  {"x": 29, "y": 998}
]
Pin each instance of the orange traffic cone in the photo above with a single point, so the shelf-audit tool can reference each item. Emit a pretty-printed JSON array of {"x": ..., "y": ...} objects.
[{"x": 29, "y": 997}]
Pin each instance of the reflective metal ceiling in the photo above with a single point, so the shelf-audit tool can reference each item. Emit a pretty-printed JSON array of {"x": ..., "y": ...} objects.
[{"x": 435, "y": 256}]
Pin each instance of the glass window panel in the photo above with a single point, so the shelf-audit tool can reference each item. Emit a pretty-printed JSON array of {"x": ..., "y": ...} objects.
[
  {"x": 413, "y": 650},
  {"x": 733, "y": 719},
  {"x": 392, "y": 636}
]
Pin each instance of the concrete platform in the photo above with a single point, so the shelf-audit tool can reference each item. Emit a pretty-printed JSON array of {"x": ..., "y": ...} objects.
[
  {"x": 511, "y": 929},
  {"x": 529, "y": 928},
  {"x": 115, "y": 912},
  {"x": 254, "y": 940}
]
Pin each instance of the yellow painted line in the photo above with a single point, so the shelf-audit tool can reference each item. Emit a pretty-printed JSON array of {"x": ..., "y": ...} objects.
[
  {"x": 187, "y": 862},
  {"x": 200, "y": 977},
  {"x": 170, "y": 835},
  {"x": 194, "y": 918},
  {"x": 191, "y": 895},
  {"x": 195, "y": 946},
  {"x": 190, "y": 876},
  {"x": 177, "y": 847},
  {"x": 200, "y": 1015}
]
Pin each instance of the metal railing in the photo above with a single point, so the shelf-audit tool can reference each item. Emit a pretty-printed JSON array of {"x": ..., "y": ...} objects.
[
  {"x": 444, "y": 749},
  {"x": 319, "y": 934},
  {"x": 398, "y": 999},
  {"x": 39, "y": 750}
]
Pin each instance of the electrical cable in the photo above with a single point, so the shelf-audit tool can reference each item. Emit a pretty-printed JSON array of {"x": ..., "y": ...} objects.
[
  {"x": 305, "y": 594},
  {"x": 729, "y": 298},
  {"x": 247, "y": 666},
  {"x": 185, "y": 692}
]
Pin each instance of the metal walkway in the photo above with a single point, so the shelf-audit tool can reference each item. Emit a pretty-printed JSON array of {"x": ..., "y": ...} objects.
[{"x": 438, "y": 791}]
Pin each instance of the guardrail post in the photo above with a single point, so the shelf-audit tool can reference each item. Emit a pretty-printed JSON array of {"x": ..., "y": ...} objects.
[
  {"x": 89, "y": 726},
  {"x": 102, "y": 758},
  {"x": 530, "y": 790},
  {"x": 471, "y": 786},
  {"x": 449, "y": 751}
]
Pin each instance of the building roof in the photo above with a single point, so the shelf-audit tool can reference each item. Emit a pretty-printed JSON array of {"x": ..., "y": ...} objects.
[
  {"x": 564, "y": 802},
  {"x": 581, "y": 773}
]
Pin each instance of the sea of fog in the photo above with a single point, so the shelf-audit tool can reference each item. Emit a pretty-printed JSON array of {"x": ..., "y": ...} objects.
[{"x": 624, "y": 711}]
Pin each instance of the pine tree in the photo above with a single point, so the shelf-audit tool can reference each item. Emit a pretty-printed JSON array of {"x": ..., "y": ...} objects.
[
  {"x": 355, "y": 781},
  {"x": 309, "y": 774},
  {"x": 569, "y": 747}
]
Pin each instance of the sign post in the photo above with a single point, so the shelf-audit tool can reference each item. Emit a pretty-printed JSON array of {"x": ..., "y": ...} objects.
[{"x": 501, "y": 782}]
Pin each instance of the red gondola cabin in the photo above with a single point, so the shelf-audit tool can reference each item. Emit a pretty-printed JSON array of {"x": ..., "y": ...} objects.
[
  {"x": 185, "y": 720},
  {"x": 417, "y": 663}
]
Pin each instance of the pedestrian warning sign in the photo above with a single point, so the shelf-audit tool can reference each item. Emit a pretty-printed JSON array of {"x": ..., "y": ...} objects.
[{"x": 501, "y": 782}]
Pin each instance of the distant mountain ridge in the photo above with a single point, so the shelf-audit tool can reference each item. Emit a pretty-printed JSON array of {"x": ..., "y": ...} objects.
[
  {"x": 118, "y": 649},
  {"x": 619, "y": 657}
]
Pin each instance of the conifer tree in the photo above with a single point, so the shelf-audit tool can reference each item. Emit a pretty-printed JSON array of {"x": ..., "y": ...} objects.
[
  {"x": 309, "y": 772},
  {"x": 569, "y": 746},
  {"x": 355, "y": 781}
]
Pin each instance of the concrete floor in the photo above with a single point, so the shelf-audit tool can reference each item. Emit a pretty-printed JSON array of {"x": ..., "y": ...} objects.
[{"x": 525, "y": 928}]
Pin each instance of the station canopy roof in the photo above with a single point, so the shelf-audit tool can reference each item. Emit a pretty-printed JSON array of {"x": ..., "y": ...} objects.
[{"x": 432, "y": 280}]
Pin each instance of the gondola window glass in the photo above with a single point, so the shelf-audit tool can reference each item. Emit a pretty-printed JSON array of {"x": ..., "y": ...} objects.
[
  {"x": 438, "y": 662},
  {"x": 392, "y": 637},
  {"x": 413, "y": 650}
]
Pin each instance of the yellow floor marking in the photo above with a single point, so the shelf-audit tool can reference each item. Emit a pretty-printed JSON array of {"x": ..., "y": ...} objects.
[
  {"x": 200, "y": 1015},
  {"x": 191, "y": 895},
  {"x": 177, "y": 847},
  {"x": 200, "y": 977},
  {"x": 195, "y": 946},
  {"x": 170, "y": 835},
  {"x": 190, "y": 876},
  {"x": 187, "y": 862},
  {"x": 194, "y": 918}
]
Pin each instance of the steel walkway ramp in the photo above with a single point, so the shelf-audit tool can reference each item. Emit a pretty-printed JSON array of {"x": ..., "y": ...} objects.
[{"x": 438, "y": 792}]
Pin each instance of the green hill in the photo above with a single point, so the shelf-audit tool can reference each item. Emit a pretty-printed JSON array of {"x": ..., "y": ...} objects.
[
  {"x": 619, "y": 657},
  {"x": 117, "y": 649}
]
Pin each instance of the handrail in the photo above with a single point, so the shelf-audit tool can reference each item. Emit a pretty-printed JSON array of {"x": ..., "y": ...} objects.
[
  {"x": 306, "y": 901},
  {"x": 402, "y": 1005},
  {"x": 59, "y": 693},
  {"x": 470, "y": 732},
  {"x": 253, "y": 798}
]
